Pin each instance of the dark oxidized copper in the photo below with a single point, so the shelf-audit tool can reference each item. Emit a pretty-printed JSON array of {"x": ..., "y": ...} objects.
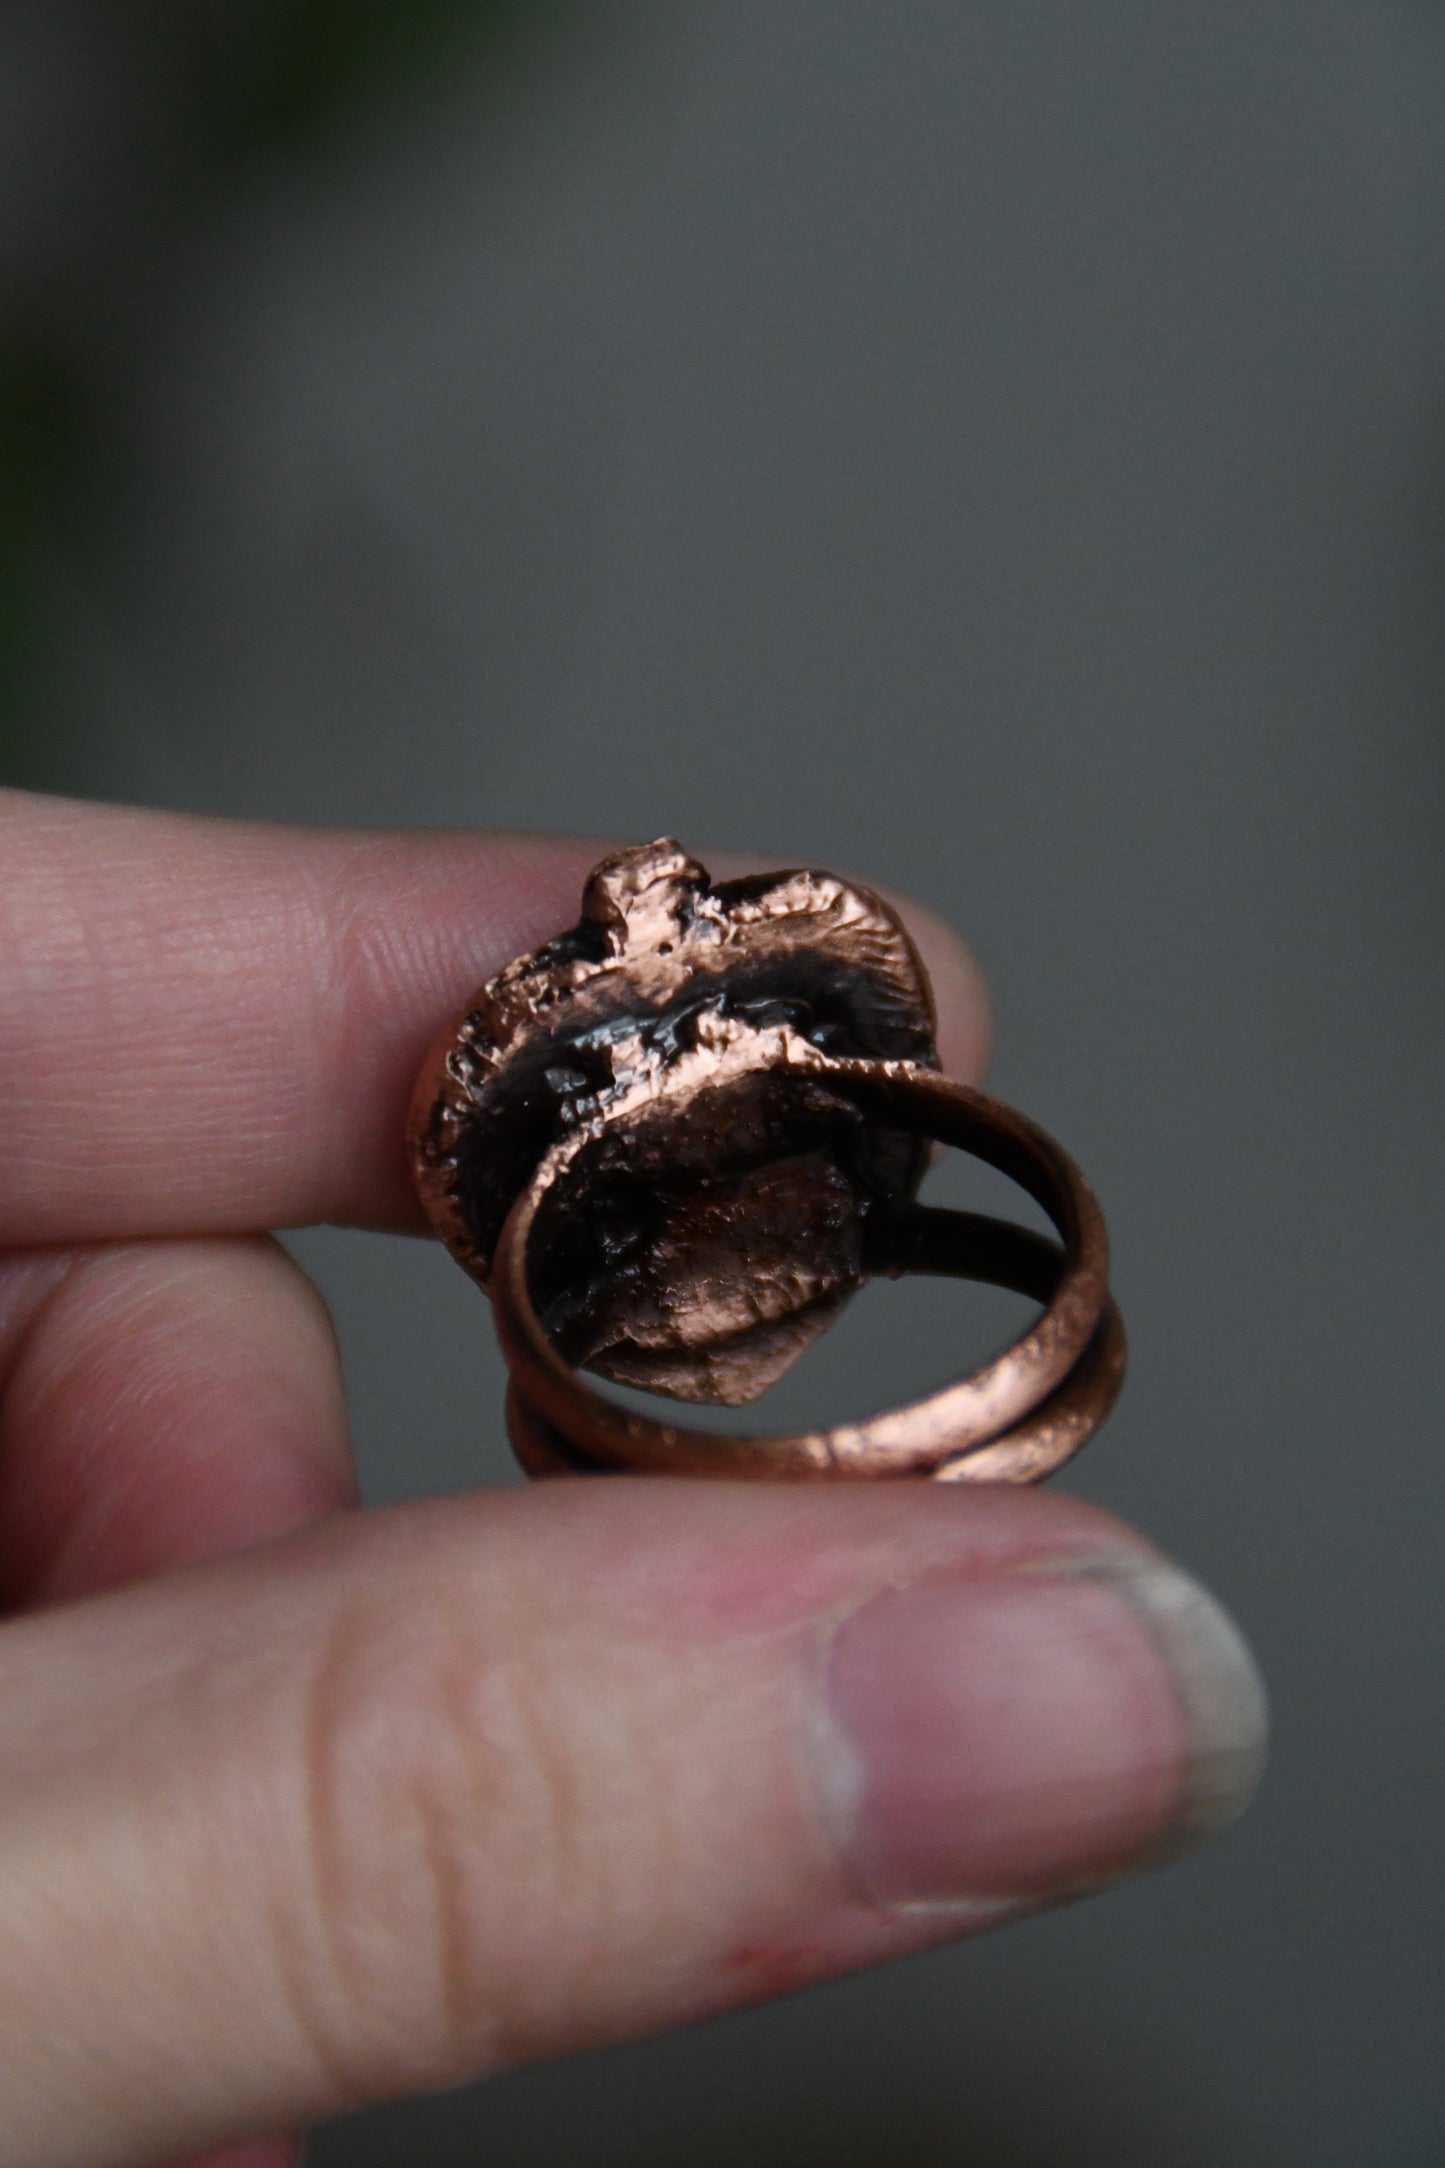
[{"x": 674, "y": 1141}]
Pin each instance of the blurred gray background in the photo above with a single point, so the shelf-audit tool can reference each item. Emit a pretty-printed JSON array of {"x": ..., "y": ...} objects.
[{"x": 996, "y": 448}]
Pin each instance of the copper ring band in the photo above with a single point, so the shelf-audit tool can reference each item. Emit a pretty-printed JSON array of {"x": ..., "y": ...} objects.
[{"x": 1014, "y": 1420}]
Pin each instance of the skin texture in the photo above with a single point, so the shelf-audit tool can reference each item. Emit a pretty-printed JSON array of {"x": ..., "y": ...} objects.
[{"x": 302, "y": 1808}]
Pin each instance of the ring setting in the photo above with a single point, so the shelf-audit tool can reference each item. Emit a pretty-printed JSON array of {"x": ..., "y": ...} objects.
[{"x": 671, "y": 1145}]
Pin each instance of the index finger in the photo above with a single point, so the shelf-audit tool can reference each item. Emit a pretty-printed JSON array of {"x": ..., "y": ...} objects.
[{"x": 210, "y": 1026}]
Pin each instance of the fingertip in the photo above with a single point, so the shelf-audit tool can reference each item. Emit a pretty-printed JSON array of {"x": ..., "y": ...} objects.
[
  {"x": 960, "y": 991},
  {"x": 1038, "y": 1731}
]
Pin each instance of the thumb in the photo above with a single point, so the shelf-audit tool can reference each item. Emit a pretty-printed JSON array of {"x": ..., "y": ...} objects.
[{"x": 417, "y": 1796}]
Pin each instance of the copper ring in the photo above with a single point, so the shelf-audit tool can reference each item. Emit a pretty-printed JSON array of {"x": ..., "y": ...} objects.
[
  {"x": 1013, "y": 1421},
  {"x": 671, "y": 1145}
]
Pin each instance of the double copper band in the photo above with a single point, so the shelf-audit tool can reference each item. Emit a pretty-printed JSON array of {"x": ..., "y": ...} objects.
[{"x": 1014, "y": 1420}]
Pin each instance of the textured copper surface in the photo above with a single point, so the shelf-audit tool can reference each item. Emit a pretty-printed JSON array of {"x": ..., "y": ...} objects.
[
  {"x": 720, "y": 1227},
  {"x": 673, "y": 1142}
]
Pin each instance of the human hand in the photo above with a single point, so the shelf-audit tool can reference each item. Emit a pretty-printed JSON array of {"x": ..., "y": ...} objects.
[{"x": 360, "y": 1804}]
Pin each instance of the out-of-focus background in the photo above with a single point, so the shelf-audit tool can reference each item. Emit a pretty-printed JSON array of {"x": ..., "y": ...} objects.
[{"x": 999, "y": 449}]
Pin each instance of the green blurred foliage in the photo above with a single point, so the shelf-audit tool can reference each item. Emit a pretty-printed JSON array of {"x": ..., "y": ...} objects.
[
  {"x": 242, "y": 83},
  {"x": 304, "y": 67}
]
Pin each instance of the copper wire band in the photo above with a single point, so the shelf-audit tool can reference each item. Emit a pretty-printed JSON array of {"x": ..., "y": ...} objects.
[{"x": 1014, "y": 1420}]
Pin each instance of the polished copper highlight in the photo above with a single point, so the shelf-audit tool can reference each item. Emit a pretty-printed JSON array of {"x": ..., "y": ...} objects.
[{"x": 672, "y": 1143}]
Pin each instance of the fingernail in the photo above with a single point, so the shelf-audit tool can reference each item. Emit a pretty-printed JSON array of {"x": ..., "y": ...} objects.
[{"x": 1021, "y": 1733}]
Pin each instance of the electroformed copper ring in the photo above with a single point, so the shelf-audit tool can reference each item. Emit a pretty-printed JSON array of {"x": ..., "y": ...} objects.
[{"x": 673, "y": 1143}]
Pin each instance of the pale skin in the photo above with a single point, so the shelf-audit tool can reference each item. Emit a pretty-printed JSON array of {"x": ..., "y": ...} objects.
[{"x": 301, "y": 1807}]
